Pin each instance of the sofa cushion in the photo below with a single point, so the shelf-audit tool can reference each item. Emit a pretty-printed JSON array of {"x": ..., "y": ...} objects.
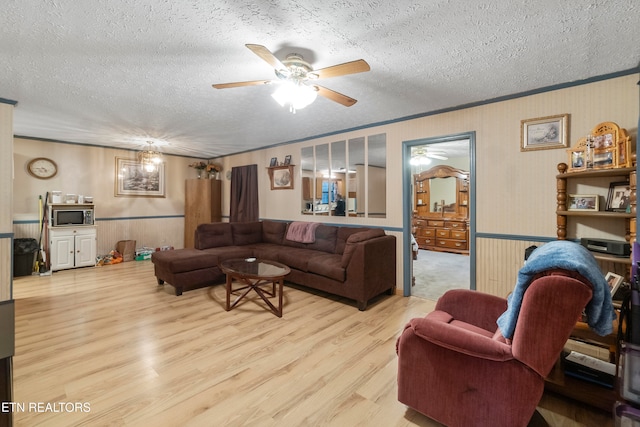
[
  {"x": 273, "y": 231},
  {"x": 246, "y": 233},
  {"x": 356, "y": 238},
  {"x": 327, "y": 265},
  {"x": 213, "y": 235},
  {"x": 326, "y": 236},
  {"x": 229, "y": 252},
  {"x": 297, "y": 258},
  {"x": 269, "y": 251},
  {"x": 343, "y": 235}
]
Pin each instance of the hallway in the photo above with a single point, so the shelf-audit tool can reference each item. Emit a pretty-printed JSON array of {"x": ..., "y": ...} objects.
[{"x": 436, "y": 272}]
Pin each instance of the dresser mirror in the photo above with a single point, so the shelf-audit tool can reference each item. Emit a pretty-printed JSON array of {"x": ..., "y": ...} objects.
[
  {"x": 345, "y": 178},
  {"x": 443, "y": 195},
  {"x": 441, "y": 191}
]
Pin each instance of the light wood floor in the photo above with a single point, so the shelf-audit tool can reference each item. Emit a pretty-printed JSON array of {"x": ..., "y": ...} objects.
[{"x": 137, "y": 355}]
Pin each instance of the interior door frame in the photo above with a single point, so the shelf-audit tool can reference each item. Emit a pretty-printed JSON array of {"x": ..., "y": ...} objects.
[{"x": 407, "y": 212}]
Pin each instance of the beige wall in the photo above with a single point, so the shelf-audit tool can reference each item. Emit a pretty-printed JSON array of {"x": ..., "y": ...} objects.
[
  {"x": 515, "y": 191},
  {"x": 90, "y": 171}
]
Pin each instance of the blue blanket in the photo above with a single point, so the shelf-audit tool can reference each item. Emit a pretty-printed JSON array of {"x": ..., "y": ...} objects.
[{"x": 569, "y": 256}]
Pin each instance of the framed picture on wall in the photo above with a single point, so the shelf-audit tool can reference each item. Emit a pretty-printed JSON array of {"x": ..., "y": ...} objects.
[
  {"x": 281, "y": 177},
  {"x": 132, "y": 180},
  {"x": 544, "y": 133}
]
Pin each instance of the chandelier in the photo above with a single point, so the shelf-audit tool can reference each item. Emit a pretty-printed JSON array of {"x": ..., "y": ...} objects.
[
  {"x": 295, "y": 94},
  {"x": 149, "y": 158}
]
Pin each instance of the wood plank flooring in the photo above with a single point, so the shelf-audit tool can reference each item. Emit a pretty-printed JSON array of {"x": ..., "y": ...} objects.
[{"x": 134, "y": 354}]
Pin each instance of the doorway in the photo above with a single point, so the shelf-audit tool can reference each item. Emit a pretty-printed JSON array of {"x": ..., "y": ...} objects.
[{"x": 458, "y": 149}]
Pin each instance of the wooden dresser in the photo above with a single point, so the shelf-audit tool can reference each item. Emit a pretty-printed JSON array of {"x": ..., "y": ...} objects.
[
  {"x": 441, "y": 209},
  {"x": 449, "y": 235}
]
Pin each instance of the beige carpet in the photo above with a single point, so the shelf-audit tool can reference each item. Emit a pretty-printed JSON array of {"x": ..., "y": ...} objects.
[{"x": 437, "y": 272}]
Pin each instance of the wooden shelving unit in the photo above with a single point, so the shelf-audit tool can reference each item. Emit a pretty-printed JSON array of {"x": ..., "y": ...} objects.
[
  {"x": 203, "y": 199},
  {"x": 584, "y": 391}
]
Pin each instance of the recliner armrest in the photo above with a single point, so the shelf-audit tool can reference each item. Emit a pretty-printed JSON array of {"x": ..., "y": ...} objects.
[
  {"x": 437, "y": 329},
  {"x": 473, "y": 307}
]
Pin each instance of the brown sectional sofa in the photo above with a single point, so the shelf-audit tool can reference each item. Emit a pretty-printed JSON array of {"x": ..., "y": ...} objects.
[{"x": 352, "y": 262}]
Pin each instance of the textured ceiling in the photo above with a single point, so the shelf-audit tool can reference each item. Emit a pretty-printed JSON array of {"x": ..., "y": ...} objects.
[{"x": 120, "y": 72}]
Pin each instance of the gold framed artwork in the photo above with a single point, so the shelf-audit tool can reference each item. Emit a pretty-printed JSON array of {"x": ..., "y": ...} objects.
[
  {"x": 132, "y": 180},
  {"x": 544, "y": 133}
]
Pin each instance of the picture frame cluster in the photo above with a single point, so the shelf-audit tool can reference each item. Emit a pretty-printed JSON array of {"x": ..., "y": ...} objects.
[
  {"x": 607, "y": 146},
  {"x": 618, "y": 199}
]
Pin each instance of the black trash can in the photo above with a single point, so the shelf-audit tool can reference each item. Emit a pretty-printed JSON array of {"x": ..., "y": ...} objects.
[{"x": 23, "y": 256}]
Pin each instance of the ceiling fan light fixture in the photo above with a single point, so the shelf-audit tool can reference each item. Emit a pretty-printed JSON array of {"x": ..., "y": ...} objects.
[
  {"x": 295, "y": 95},
  {"x": 419, "y": 160}
]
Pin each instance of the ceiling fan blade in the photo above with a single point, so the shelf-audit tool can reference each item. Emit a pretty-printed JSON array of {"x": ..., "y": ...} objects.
[
  {"x": 352, "y": 67},
  {"x": 239, "y": 84},
  {"x": 267, "y": 56},
  {"x": 335, "y": 96},
  {"x": 437, "y": 156}
]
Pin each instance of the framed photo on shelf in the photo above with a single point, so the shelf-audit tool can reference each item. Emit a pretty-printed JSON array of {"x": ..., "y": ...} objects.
[
  {"x": 133, "y": 180},
  {"x": 604, "y": 158},
  {"x": 287, "y": 159},
  {"x": 273, "y": 162},
  {"x": 544, "y": 133},
  {"x": 614, "y": 280},
  {"x": 578, "y": 156},
  {"x": 619, "y": 197},
  {"x": 583, "y": 202}
]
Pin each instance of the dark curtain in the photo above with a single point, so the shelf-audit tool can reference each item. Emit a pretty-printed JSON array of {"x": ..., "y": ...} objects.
[{"x": 244, "y": 194}]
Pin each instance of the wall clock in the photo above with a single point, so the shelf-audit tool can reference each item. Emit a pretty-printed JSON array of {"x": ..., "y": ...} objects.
[{"x": 42, "y": 168}]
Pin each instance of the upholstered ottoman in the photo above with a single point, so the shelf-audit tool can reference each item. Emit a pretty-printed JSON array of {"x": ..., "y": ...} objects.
[{"x": 186, "y": 269}]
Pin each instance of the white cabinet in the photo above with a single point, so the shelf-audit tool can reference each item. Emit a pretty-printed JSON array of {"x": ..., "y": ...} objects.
[{"x": 72, "y": 247}]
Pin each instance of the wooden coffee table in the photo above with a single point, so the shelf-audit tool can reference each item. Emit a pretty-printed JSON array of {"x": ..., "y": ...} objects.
[{"x": 255, "y": 274}]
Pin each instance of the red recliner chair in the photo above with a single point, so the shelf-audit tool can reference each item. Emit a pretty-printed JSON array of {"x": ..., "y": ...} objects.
[{"x": 455, "y": 366}]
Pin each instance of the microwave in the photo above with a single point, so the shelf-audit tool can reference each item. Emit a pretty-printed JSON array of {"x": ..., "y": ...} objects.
[{"x": 70, "y": 217}]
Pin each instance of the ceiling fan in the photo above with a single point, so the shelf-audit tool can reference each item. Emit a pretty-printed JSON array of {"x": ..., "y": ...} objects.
[
  {"x": 296, "y": 72},
  {"x": 424, "y": 152}
]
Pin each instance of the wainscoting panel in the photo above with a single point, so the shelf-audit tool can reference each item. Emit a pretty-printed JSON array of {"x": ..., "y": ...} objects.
[
  {"x": 499, "y": 260},
  {"x": 26, "y": 230},
  {"x": 151, "y": 232},
  {"x": 497, "y": 264}
]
